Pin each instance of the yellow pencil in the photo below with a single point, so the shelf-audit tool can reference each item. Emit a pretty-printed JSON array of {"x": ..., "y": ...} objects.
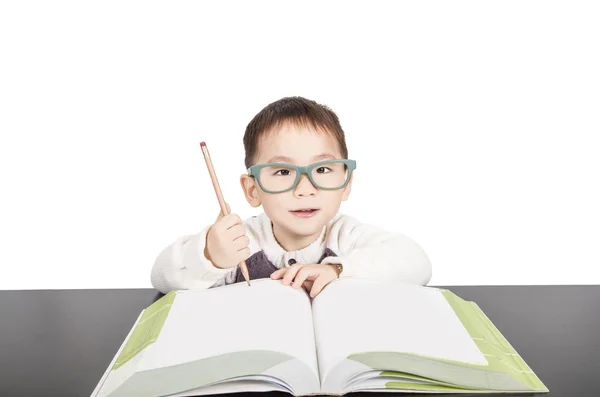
[{"x": 215, "y": 183}]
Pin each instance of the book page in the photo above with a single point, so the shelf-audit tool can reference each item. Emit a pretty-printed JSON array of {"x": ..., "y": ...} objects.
[
  {"x": 260, "y": 384},
  {"x": 356, "y": 315},
  {"x": 264, "y": 316}
]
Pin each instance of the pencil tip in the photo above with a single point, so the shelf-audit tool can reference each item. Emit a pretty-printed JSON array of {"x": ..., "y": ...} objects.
[{"x": 202, "y": 144}]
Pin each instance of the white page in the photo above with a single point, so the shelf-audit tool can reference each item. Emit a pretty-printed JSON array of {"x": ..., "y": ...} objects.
[
  {"x": 241, "y": 386},
  {"x": 357, "y": 315},
  {"x": 264, "y": 316}
]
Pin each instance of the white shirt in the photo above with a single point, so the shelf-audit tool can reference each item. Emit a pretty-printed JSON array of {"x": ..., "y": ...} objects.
[{"x": 364, "y": 250}]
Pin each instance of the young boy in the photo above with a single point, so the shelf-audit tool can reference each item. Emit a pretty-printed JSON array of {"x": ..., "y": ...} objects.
[{"x": 300, "y": 237}]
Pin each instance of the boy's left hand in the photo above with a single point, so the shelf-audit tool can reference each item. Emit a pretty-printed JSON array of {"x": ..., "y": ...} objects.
[{"x": 313, "y": 278}]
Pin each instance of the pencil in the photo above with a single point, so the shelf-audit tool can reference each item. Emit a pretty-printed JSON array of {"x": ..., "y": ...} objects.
[{"x": 215, "y": 182}]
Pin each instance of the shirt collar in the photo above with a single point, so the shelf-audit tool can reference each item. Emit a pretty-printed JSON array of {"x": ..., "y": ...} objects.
[{"x": 280, "y": 257}]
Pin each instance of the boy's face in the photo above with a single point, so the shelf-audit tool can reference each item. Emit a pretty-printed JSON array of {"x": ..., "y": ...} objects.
[{"x": 302, "y": 146}]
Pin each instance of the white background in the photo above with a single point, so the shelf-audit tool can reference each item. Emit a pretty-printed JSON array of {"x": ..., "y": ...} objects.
[{"x": 475, "y": 126}]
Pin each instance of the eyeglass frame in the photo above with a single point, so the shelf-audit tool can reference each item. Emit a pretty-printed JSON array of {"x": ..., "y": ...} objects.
[{"x": 254, "y": 171}]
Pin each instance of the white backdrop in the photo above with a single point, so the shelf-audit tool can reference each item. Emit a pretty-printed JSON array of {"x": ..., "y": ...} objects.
[{"x": 475, "y": 126}]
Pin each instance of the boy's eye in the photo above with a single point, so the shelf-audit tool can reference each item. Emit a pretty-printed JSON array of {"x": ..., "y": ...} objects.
[
  {"x": 323, "y": 168},
  {"x": 285, "y": 172}
]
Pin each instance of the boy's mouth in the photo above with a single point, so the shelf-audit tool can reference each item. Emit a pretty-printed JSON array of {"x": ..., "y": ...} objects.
[{"x": 305, "y": 212}]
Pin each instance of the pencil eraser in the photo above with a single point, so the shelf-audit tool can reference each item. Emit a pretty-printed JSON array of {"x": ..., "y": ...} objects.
[{"x": 202, "y": 144}]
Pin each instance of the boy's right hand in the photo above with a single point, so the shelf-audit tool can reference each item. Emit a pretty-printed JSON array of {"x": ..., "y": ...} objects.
[{"x": 226, "y": 241}]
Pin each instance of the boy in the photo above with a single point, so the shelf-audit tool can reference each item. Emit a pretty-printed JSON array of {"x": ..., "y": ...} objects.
[{"x": 300, "y": 237}]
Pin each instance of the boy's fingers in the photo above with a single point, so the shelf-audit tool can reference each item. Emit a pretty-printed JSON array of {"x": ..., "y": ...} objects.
[
  {"x": 241, "y": 242},
  {"x": 290, "y": 274},
  {"x": 230, "y": 221},
  {"x": 318, "y": 286},
  {"x": 307, "y": 285},
  {"x": 301, "y": 277},
  {"x": 236, "y": 231},
  {"x": 277, "y": 274}
]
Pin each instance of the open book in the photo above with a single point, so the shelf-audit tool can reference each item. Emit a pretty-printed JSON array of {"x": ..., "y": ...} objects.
[{"x": 356, "y": 335}]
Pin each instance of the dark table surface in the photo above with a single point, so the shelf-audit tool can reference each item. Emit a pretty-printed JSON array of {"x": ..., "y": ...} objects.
[{"x": 60, "y": 342}]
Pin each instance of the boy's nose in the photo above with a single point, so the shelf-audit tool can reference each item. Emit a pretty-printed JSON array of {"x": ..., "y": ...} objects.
[{"x": 305, "y": 186}]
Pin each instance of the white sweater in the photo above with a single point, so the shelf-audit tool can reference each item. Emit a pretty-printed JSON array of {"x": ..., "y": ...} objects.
[{"x": 364, "y": 250}]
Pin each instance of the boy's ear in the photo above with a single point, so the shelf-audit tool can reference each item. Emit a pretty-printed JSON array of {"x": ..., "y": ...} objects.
[
  {"x": 250, "y": 189},
  {"x": 347, "y": 189}
]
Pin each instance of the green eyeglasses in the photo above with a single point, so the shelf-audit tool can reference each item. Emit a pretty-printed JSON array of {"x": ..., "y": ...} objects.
[{"x": 282, "y": 177}]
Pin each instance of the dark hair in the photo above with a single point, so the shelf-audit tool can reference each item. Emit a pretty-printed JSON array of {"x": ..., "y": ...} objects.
[{"x": 297, "y": 110}]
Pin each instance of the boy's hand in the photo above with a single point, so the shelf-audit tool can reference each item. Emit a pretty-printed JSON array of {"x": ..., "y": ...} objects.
[
  {"x": 313, "y": 278},
  {"x": 226, "y": 241}
]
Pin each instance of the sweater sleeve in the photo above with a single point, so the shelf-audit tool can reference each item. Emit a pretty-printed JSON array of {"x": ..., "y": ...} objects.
[
  {"x": 368, "y": 251},
  {"x": 182, "y": 265}
]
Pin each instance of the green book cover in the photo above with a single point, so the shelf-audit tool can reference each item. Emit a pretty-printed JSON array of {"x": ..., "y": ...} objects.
[{"x": 147, "y": 329}]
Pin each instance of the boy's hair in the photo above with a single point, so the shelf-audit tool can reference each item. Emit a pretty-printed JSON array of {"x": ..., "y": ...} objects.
[{"x": 296, "y": 110}]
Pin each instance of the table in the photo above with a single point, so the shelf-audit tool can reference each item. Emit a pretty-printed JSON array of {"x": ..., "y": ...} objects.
[{"x": 60, "y": 342}]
